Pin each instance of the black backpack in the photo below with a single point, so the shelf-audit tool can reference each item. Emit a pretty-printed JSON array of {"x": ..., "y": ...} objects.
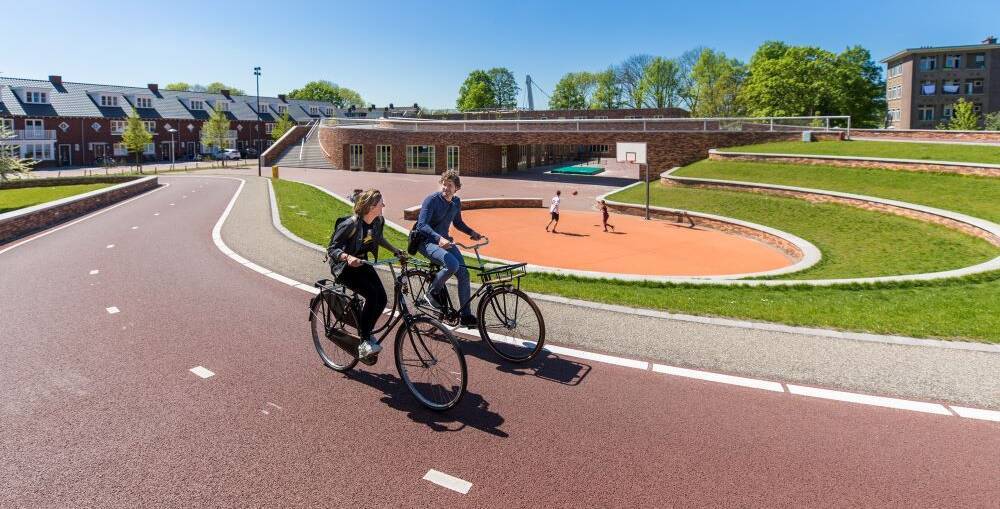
[{"x": 336, "y": 224}]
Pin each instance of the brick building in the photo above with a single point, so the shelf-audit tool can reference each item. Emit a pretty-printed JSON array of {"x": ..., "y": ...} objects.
[
  {"x": 63, "y": 123},
  {"x": 629, "y": 113},
  {"x": 922, "y": 84}
]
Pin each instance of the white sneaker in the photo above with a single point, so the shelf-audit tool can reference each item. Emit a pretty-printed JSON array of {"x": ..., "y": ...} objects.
[{"x": 368, "y": 348}]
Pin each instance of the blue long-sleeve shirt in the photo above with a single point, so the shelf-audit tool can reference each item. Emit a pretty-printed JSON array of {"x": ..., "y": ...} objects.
[{"x": 437, "y": 215}]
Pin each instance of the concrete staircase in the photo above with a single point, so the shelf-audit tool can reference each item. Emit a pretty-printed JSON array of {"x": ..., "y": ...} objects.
[{"x": 312, "y": 155}]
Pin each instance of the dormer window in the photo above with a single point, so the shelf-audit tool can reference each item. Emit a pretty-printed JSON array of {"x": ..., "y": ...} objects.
[
  {"x": 110, "y": 101},
  {"x": 329, "y": 112},
  {"x": 263, "y": 108},
  {"x": 197, "y": 104},
  {"x": 143, "y": 102},
  {"x": 314, "y": 110},
  {"x": 282, "y": 109},
  {"x": 36, "y": 97},
  {"x": 222, "y": 106}
]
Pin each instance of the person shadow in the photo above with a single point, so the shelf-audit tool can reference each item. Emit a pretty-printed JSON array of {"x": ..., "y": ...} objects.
[
  {"x": 546, "y": 366},
  {"x": 570, "y": 234},
  {"x": 473, "y": 411}
]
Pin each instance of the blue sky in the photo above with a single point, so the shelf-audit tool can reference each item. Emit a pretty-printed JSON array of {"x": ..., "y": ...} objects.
[{"x": 405, "y": 52}]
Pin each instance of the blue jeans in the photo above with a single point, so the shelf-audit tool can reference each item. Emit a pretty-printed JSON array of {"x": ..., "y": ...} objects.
[{"x": 450, "y": 261}]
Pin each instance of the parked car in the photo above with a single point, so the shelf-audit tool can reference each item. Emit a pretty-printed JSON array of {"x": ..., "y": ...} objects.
[
  {"x": 249, "y": 153},
  {"x": 229, "y": 154}
]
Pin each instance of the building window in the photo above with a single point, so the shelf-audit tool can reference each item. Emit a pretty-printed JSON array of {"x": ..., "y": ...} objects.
[
  {"x": 7, "y": 123},
  {"x": 120, "y": 149},
  {"x": 978, "y": 61},
  {"x": 222, "y": 106},
  {"x": 35, "y": 97},
  {"x": 268, "y": 127},
  {"x": 973, "y": 87},
  {"x": 150, "y": 125},
  {"x": 197, "y": 105},
  {"x": 420, "y": 157},
  {"x": 503, "y": 157},
  {"x": 150, "y": 148},
  {"x": 109, "y": 101},
  {"x": 950, "y": 87},
  {"x": 263, "y": 108},
  {"x": 37, "y": 151},
  {"x": 947, "y": 111},
  {"x": 282, "y": 109},
  {"x": 118, "y": 126},
  {"x": 952, "y": 61},
  {"x": 928, "y": 88},
  {"x": 896, "y": 70},
  {"x": 452, "y": 158},
  {"x": 925, "y": 113},
  {"x": 314, "y": 110},
  {"x": 599, "y": 149},
  {"x": 977, "y": 108},
  {"x": 357, "y": 157},
  {"x": 143, "y": 102},
  {"x": 329, "y": 112},
  {"x": 928, "y": 63},
  {"x": 893, "y": 116},
  {"x": 383, "y": 157},
  {"x": 895, "y": 92}
]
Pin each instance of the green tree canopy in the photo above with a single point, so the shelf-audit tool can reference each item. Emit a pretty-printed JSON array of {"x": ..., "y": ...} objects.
[
  {"x": 607, "y": 93},
  {"x": 214, "y": 88},
  {"x": 963, "y": 117},
  {"x": 215, "y": 132},
  {"x": 322, "y": 90},
  {"x": 476, "y": 92},
  {"x": 136, "y": 137},
  {"x": 573, "y": 91},
  {"x": 717, "y": 80},
  {"x": 281, "y": 126},
  {"x": 10, "y": 156},
  {"x": 661, "y": 83},
  {"x": 991, "y": 121},
  {"x": 688, "y": 91},
  {"x": 179, "y": 86},
  {"x": 504, "y": 87},
  {"x": 629, "y": 77}
]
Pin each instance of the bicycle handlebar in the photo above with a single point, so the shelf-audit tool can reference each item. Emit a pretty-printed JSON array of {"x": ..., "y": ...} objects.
[{"x": 486, "y": 241}]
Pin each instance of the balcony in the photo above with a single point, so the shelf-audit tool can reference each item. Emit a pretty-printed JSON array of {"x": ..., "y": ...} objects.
[
  {"x": 231, "y": 134},
  {"x": 35, "y": 134}
]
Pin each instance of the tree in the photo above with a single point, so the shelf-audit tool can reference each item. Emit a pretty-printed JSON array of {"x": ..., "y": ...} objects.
[
  {"x": 215, "y": 132},
  {"x": 963, "y": 118},
  {"x": 179, "y": 86},
  {"x": 322, "y": 90},
  {"x": 573, "y": 91},
  {"x": 281, "y": 126},
  {"x": 217, "y": 87},
  {"x": 628, "y": 75},
  {"x": 661, "y": 82},
  {"x": 476, "y": 92},
  {"x": 861, "y": 90},
  {"x": 717, "y": 81},
  {"x": 687, "y": 91},
  {"x": 991, "y": 121},
  {"x": 607, "y": 93},
  {"x": 504, "y": 87},
  {"x": 10, "y": 156},
  {"x": 136, "y": 137}
]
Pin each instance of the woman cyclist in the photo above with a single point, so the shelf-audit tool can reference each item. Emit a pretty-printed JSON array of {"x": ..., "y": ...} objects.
[{"x": 354, "y": 237}]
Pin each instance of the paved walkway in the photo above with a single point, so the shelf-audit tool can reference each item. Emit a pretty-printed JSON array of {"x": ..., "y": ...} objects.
[{"x": 910, "y": 371}]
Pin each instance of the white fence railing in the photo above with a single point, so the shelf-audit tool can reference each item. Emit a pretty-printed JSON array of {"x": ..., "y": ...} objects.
[{"x": 720, "y": 124}]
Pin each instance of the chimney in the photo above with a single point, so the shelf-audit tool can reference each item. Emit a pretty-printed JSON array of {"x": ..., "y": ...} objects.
[
  {"x": 990, "y": 39},
  {"x": 282, "y": 97},
  {"x": 154, "y": 88},
  {"x": 56, "y": 80},
  {"x": 225, "y": 92}
]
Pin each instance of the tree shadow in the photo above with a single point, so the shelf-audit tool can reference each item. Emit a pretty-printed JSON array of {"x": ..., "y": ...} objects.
[{"x": 473, "y": 411}]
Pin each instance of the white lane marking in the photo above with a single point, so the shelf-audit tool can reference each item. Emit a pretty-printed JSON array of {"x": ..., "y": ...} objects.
[
  {"x": 94, "y": 272},
  {"x": 156, "y": 213},
  {"x": 275, "y": 406},
  {"x": 171, "y": 204},
  {"x": 851, "y": 397},
  {"x": 265, "y": 412},
  {"x": 764, "y": 384},
  {"x": 976, "y": 413},
  {"x": 84, "y": 218},
  {"x": 718, "y": 377},
  {"x": 448, "y": 481},
  {"x": 112, "y": 310},
  {"x": 201, "y": 371},
  {"x": 135, "y": 227},
  {"x": 109, "y": 246}
]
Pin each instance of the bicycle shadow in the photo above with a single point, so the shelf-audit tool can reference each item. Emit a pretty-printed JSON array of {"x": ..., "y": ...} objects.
[
  {"x": 473, "y": 411},
  {"x": 547, "y": 366}
]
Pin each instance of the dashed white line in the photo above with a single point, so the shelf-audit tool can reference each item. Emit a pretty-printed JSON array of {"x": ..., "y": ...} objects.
[
  {"x": 902, "y": 404},
  {"x": 171, "y": 204},
  {"x": 94, "y": 272},
  {"x": 448, "y": 481},
  {"x": 135, "y": 227},
  {"x": 976, "y": 413},
  {"x": 156, "y": 213},
  {"x": 718, "y": 377},
  {"x": 109, "y": 246},
  {"x": 112, "y": 310},
  {"x": 202, "y": 372}
]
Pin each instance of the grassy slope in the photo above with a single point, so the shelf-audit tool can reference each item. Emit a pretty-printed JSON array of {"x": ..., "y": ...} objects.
[
  {"x": 895, "y": 150},
  {"x": 13, "y": 199}
]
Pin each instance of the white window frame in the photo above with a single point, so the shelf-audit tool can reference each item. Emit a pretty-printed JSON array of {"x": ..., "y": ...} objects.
[
  {"x": 383, "y": 157},
  {"x": 921, "y": 110},
  {"x": 453, "y": 159},
  {"x": 119, "y": 149},
  {"x": 143, "y": 102},
  {"x": 150, "y": 125},
  {"x": 314, "y": 110},
  {"x": 36, "y": 97},
  {"x": 329, "y": 112},
  {"x": 197, "y": 104},
  {"x": 420, "y": 158},
  {"x": 109, "y": 101},
  {"x": 150, "y": 149},
  {"x": 264, "y": 108},
  {"x": 37, "y": 151},
  {"x": 281, "y": 109},
  {"x": 970, "y": 86},
  {"x": 357, "y": 157},
  {"x": 118, "y": 126}
]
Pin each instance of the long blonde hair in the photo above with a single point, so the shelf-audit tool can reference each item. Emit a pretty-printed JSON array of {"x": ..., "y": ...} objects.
[{"x": 365, "y": 201}]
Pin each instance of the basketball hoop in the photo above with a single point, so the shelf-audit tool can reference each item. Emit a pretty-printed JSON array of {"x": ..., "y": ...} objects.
[
  {"x": 635, "y": 153},
  {"x": 630, "y": 157}
]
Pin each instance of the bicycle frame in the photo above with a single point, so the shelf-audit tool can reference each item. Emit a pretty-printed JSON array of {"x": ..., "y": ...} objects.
[{"x": 486, "y": 287}]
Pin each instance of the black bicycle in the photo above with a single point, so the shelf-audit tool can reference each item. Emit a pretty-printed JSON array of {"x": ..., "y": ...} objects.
[
  {"x": 509, "y": 320},
  {"x": 428, "y": 357}
]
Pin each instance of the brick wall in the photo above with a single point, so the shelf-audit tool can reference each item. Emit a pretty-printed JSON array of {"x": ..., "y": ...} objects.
[
  {"x": 569, "y": 114},
  {"x": 293, "y": 136},
  {"x": 928, "y": 134},
  {"x": 962, "y": 169}
]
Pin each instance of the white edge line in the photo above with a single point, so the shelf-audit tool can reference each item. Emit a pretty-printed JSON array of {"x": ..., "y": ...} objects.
[
  {"x": 202, "y": 371},
  {"x": 976, "y": 413},
  {"x": 718, "y": 377},
  {"x": 851, "y": 397},
  {"x": 448, "y": 481}
]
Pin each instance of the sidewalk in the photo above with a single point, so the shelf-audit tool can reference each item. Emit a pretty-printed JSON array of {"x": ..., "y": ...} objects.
[{"x": 916, "y": 371}]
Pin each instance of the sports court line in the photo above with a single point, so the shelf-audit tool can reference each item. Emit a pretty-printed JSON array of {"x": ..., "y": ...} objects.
[{"x": 772, "y": 386}]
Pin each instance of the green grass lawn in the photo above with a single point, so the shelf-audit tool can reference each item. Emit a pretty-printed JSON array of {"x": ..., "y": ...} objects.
[
  {"x": 967, "y": 309},
  {"x": 975, "y": 196},
  {"x": 894, "y": 150},
  {"x": 13, "y": 199},
  {"x": 854, "y": 242}
]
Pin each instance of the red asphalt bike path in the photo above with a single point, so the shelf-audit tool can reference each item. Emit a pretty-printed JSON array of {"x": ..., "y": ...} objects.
[{"x": 100, "y": 409}]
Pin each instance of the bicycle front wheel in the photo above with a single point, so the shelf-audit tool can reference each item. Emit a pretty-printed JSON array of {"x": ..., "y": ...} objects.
[
  {"x": 324, "y": 332},
  {"x": 430, "y": 362},
  {"x": 511, "y": 324}
]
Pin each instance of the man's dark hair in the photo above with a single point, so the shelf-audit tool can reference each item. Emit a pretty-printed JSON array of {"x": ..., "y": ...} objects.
[
  {"x": 558, "y": 192},
  {"x": 451, "y": 175}
]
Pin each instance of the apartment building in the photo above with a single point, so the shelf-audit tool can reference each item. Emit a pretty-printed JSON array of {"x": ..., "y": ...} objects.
[
  {"x": 922, "y": 84},
  {"x": 64, "y": 123}
]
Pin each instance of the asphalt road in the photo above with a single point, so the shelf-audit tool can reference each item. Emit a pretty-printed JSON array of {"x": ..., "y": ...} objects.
[{"x": 99, "y": 408}]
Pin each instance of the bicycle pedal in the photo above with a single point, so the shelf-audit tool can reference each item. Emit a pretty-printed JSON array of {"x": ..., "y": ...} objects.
[{"x": 371, "y": 360}]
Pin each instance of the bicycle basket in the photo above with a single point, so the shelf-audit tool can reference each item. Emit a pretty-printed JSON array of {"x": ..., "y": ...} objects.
[{"x": 503, "y": 273}]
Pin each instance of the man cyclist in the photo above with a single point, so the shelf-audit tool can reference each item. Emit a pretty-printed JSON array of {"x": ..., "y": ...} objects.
[{"x": 437, "y": 213}]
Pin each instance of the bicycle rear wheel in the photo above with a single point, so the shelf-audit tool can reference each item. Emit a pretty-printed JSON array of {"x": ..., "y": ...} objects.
[
  {"x": 511, "y": 324},
  {"x": 430, "y": 362},
  {"x": 325, "y": 333}
]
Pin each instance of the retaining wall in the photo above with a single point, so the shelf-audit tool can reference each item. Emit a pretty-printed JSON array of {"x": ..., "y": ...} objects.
[
  {"x": 928, "y": 134},
  {"x": 985, "y": 170}
]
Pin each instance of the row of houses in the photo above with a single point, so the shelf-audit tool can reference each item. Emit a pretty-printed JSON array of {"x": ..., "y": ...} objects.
[{"x": 61, "y": 123}]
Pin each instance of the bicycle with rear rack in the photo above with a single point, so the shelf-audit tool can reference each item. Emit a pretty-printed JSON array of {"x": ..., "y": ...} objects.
[
  {"x": 510, "y": 322},
  {"x": 428, "y": 357}
]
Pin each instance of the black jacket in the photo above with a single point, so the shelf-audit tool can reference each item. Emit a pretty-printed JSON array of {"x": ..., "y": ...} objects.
[{"x": 342, "y": 241}]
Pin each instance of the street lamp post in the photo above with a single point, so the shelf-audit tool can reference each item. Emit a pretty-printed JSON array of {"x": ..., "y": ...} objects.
[
  {"x": 173, "y": 149},
  {"x": 256, "y": 72}
]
